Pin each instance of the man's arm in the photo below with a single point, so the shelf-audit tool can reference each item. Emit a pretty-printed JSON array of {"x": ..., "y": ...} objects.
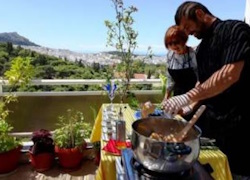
[{"x": 218, "y": 82}]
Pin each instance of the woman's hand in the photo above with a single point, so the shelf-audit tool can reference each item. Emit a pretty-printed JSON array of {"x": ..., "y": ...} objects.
[
  {"x": 147, "y": 108},
  {"x": 186, "y": 110},
  {"x": 175, "y": 104}
]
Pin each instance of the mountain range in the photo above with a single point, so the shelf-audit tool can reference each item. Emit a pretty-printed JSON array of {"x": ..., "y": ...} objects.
[{"x": 16, "y": 39}]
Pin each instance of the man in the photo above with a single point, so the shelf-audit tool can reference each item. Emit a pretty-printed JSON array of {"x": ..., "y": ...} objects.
[{"x": 223, "y": 59}]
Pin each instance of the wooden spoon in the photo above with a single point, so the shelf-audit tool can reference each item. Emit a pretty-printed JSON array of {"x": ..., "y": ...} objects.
[{"x": 182, "y": 134}]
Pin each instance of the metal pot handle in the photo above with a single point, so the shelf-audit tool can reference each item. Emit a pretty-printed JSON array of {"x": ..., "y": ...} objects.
[
  {"x": 178, "y": 148},
  {"x": 154, "y": 149},
  {"x": 175, "y": 149}
]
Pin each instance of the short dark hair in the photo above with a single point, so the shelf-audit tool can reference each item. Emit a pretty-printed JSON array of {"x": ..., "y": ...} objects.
[
  {"x": 187, "y": 9},
  {"x": 175, "y": 33}
]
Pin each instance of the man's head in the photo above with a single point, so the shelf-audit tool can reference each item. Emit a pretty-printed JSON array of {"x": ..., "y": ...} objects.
[{"x": 194, "y": 18}]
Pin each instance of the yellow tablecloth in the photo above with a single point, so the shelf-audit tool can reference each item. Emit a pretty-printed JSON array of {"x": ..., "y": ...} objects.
[{"x": 107, "y": 171}]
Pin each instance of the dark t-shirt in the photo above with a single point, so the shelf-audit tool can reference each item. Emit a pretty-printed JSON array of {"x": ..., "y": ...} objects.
[
  {"x": 227, "y": 117},
  {"x": 226, "y": 42}
]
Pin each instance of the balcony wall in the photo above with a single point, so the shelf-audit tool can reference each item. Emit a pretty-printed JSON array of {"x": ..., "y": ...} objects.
[{"x": 35, "y": 110}]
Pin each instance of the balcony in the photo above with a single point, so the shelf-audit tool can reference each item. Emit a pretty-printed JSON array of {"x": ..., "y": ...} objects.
[{"x": 35, "y": 110}]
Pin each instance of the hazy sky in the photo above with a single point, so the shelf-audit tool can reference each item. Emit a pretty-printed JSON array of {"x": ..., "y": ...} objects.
[{"x": 78, "y": 25}]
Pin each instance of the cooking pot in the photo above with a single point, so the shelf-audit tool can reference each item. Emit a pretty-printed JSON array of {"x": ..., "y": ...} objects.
[{"x": 161, "y": 156}]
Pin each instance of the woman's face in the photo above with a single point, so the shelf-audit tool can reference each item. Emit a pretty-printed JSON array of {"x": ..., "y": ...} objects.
[{"x": 177, "y": 46}]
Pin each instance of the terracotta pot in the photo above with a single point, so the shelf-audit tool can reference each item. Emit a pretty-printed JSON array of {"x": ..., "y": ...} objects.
[
  {"x": 42, "y": 162},
  {"x": 69, "y": 158},
  {"x": 9, "y": 160}
]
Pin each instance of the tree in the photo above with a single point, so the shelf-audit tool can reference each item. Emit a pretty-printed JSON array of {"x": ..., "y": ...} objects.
[
  {"x": 9, "y": 47},
  {"x": 122, "y": 36}
]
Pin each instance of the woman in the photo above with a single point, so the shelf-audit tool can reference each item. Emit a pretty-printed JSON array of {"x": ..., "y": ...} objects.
[{"x": 181, "y": 64}]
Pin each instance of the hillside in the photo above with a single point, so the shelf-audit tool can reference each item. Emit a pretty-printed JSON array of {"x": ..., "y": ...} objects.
[
  {"x": 16, "y": 39},
  {"x": 103, "y": 58}
]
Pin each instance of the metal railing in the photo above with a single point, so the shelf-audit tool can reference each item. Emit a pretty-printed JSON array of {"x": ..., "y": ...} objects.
[
  {"x": 79, "y": 82},
  {"x": 75, "y": 93}
]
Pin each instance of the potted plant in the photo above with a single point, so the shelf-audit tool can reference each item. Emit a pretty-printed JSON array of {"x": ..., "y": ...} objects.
[
  {"x": 19, "y": 74},
  {"x": 70, "y": 137},
  {"x": 9, "y": 148},
  {"x": 42, "y": 152}
]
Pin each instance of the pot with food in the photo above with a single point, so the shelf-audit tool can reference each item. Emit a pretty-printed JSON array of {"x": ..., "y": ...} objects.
[{"x": 153, "y": 150}]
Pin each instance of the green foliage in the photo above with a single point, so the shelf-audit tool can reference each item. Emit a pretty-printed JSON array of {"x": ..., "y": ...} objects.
[
  {"x": 20, "y": 73},
  {"x": 7, "y": 142},
  {"x": 45, "y": 71},
  {"x": 133, "y": 101},
  {"x": 9, "y": 47},
  {"x": 163, "y": 84},
  {"x": 49, "y": 67},
  {"x": 72, "y": 130}
]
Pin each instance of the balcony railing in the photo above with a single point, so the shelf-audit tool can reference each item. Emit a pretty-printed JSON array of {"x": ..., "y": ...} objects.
[{"x": 52, "y": 82}]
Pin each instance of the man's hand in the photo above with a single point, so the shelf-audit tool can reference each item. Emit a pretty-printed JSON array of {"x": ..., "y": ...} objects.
[{"x": 174, "y": 104}]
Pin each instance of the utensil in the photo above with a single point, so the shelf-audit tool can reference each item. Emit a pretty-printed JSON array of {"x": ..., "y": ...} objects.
[{"x": 183, "y": 133}]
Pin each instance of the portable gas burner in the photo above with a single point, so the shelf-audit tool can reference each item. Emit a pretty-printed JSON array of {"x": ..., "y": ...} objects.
[{"x": 128, "y": 168}]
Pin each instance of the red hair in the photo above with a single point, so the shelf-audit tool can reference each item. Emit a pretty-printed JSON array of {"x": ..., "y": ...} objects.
[{"x": 174, "y": 33}]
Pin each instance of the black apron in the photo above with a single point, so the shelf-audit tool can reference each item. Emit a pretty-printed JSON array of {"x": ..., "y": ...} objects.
[{"x": 185, "y": 79}]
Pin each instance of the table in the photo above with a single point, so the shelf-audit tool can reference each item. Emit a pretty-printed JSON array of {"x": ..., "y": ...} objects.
[{"x": 107, "y": 171}]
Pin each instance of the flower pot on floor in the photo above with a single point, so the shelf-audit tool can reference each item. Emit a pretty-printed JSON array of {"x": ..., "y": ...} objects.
[
  {"x": 69, "y": 158},
  {"x": 42, "y": 153},
  {"x": 9, "y": 160},
  {"x": 42, "y": 162},
  {"x": 70, "y": 137}
]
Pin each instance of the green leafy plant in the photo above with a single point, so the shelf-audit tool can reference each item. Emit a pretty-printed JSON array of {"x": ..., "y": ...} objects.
[
  {"x": 123, "y": 37},
  {"x": 20, "y": 73},
  {"x": 7, "y": 142},
  {"x": 72, "y": 131},
  {"x": 163, "y": 84},
  {"x": 133, "y": 101}
]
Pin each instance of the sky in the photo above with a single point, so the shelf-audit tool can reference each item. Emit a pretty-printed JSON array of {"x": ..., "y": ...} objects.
[{"x": 78, "y": 25}]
